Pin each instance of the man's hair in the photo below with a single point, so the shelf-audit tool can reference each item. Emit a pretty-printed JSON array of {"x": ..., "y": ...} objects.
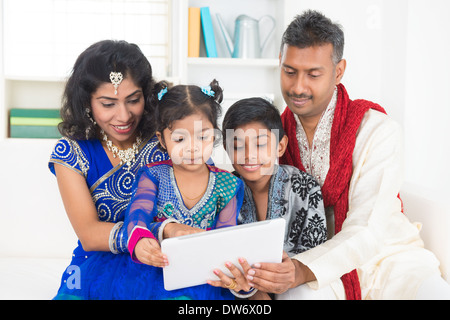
[{"x": 312, "y": 28}]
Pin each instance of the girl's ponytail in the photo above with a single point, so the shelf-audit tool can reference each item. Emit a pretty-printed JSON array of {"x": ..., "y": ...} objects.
[{"x": 218, "y": 91}]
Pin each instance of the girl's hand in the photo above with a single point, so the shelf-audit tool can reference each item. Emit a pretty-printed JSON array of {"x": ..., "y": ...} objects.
[
  {"x": 239, "y": 277},
  {"x": 148, "y": 251},
  {"x": 178, "y": 229}
]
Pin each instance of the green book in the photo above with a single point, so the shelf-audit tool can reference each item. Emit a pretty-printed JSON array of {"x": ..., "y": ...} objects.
[{"x": 34, "y": 123}]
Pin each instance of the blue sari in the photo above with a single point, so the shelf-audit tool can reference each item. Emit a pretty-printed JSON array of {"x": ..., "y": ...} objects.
[{"x": 110, "y": 187}]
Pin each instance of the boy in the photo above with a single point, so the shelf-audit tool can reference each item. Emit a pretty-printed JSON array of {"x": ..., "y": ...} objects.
[{"x": 254, "y": 139}]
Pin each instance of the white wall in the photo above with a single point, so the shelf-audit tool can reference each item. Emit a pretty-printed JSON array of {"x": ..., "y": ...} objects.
[
  {"x": 427, "y": 109},
  {"x": 398, "y": 56},
  {"x": 375, "y": 33}
]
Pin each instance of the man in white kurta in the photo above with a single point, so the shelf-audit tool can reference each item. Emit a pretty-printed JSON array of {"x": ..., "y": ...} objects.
[{"x": 376, "y": 239}]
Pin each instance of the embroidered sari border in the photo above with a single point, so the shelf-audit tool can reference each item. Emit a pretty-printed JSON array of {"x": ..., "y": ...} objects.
[{"x": 65, "y": 164}]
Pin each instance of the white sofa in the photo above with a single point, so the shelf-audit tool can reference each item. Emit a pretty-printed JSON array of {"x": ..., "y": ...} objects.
[
  {"x": 428, "y": 208},
  {"x": 36, "y": 238}
]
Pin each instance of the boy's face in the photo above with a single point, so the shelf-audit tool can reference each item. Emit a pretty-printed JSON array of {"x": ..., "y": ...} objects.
[{"x": 254, "y": 150}]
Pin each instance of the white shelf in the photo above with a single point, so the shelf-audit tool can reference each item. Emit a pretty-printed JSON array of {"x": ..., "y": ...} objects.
[{"x": 233, "y": 62}]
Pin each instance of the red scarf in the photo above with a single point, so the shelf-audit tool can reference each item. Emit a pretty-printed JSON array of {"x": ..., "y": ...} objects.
[{"x": 347, "y": 119}]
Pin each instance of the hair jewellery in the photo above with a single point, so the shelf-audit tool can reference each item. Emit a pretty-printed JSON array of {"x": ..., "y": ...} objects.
[
  {"x": 207, "y": 90},
  {"x": 162, "y": 93},
  {"x": 116, "y": 79}
]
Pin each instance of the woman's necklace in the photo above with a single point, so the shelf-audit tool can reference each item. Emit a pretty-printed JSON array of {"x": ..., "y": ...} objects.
[{"x": 127, "y": 156}]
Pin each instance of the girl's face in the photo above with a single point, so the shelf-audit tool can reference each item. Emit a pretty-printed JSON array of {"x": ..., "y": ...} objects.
[
  {"x": 254, "y": 150},
  {"x": 118, "y": 115},
  {"x": 189, "y": 141}
]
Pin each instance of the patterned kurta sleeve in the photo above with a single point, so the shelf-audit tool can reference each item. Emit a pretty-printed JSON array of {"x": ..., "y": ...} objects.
[{"x": 68, "y": 153}]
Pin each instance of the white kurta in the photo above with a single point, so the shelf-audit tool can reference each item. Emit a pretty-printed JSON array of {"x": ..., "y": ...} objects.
[{"x": 376, "y": 238}]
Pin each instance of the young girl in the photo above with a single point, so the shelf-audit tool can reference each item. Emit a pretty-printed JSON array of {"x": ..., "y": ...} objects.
[
  {"x": 171, "y": 198},
  {"x": 254, "y": 139}
]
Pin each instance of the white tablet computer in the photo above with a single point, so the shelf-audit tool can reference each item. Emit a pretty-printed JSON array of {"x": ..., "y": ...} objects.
[{"x": 193, "y": 258}]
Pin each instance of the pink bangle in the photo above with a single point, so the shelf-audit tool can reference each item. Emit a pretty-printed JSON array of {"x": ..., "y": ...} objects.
[{"x": 137, "y": 234}]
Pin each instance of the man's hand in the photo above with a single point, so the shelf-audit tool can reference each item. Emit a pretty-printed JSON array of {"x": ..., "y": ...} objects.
[
  {"x": 279, "y": 277},
  {"x": 272, "y": 277}
]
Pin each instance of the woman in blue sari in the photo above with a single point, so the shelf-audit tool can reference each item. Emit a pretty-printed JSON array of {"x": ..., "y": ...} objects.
[{"x": 108, "y": 135}]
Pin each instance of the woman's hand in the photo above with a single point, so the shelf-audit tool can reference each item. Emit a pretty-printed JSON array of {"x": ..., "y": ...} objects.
[
  {"x": 178, "y": 229},
  {"x": 239, "y": 277},
  {"x": 148, "y": 251}
]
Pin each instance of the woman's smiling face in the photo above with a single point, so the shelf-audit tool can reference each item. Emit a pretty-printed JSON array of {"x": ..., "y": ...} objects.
[{"x": 118, "y": 115}]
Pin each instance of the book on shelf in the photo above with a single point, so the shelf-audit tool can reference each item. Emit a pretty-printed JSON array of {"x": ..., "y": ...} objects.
[
  {"x": 208, "y": 32},
  {"x": 34, "y": 123},
  {"x": 194, "y": 33}
]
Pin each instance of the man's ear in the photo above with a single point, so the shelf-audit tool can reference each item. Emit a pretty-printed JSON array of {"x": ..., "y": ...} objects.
[
  {"x": 340, "y": 70},
  {"x": 282, "y": 145}
]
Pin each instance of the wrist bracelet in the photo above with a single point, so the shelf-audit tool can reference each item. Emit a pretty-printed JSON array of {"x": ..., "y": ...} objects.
[
  {"x": 162, "y": 226},
  {"x": 244, "y": 294},
  {"x": 117, "y": 243},
  {"x": 121, "y": 240}
]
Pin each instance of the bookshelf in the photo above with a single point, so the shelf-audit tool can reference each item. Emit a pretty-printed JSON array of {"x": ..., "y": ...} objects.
[{"x": 236, "y": 76}]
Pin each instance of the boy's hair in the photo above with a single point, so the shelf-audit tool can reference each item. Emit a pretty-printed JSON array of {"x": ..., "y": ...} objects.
[
  {"x": 184, "y": 100},
  {"x": 253, "y": 110},
  {"x": 312, "y": 28}
]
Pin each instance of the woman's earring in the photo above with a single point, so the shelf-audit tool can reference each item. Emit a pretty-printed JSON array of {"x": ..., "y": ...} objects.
[
  {"x": 88, "y": 129},
  {"x": 88, "y": 114}
]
